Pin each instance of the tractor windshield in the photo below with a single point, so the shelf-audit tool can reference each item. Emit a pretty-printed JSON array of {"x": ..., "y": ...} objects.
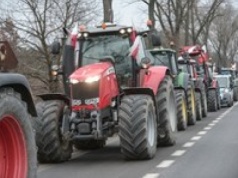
[
  {"x": 184, "y": 67},
  {"x": 115, "y": 47},
  {"x": 223, "y": 82},
  {"x": 96, "y": 48},
  {"x": 161, "y": 59},
  {"x": 200, "y": 69},
  {"x": 225, "y": 72}
]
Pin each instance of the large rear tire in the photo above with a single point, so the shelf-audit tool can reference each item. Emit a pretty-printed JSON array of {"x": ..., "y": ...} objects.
[
  {"x": 17, "y": 143},
  {"x": 52, "y": 148},
  {"x": 212, "y": 101},
  {"x": 167, "y": 109},
  {"x": 204, "y": 100},
  {"x": 191, "y": 106},
  {"x": 182, "y": 114},
  {"x": 89, "y": 144},
  {"x": 198, "y": 106},
  {"x": 137, "y": 127}
]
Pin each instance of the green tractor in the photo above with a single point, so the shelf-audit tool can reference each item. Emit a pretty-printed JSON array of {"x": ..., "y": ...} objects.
[
  {"x": 187, "y": 65},
  {"x": 183, "y": 86}
]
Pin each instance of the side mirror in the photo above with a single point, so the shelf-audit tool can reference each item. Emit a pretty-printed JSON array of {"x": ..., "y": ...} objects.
[
  {"x": 55, "y": 48},
  {"x": 145, "y": 62}
]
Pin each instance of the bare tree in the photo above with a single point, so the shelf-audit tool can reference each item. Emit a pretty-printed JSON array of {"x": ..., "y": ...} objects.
[
  {"x": 39, "y": 22},
  {"x": 224, "y": 36}
]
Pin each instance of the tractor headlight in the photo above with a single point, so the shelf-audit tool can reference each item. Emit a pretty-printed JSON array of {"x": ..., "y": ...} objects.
[
  {"x": 92, "y": 79},
  {"x": 226, "y": 90},
  {"x": 73, "y": 81},
  {"x": 122, "y": 31}
]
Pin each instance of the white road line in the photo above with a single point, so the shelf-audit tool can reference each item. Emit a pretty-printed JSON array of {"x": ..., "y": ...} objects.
[
  {"x": 219, "y": 118},
  {"x": 165, "y": 164},
  {"x": 212, "y": 124},
  {"x": 196, "y": 138},
  {"x": 178, "y": 153},
  {"x": 151, "y": 175},
  {"x": 188, "y": 144},
  {"x": 215, "y": 121},
  {"x": 207, "y": 128},
  {"x": 202, "y": 132}
]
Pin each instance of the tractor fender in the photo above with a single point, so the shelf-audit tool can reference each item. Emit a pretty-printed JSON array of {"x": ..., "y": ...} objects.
[
  {"x": 180, "y": 88},
  {"x": 183, "y": 80},
  {"x": 143, "y": 91},
  {"x": 198, "y": 90},
  {"x": 55, "y": 96},
  {"x": 20, "y": 84},
  {"x": 153, "y": 77},
  {"x": 214, "y": 84}
]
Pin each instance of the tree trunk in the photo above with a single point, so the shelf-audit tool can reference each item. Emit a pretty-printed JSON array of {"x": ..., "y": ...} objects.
[
  {"x": 151, "y": 9},
  {"x": 107, "y": 9}
]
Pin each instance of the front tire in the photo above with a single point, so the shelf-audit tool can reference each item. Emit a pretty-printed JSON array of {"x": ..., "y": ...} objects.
[
  {"x": 52, "y": 148},
  {"x": 212, "y": 101},
  {"x": 167, "y": 110},
  {"x": 17, "y": 143},
  {"x": 198, "y": 106},
  {"x": 191, "y": 106},
  {"x": 182, "y": 113},
  {"x": 137, "y": 127}
]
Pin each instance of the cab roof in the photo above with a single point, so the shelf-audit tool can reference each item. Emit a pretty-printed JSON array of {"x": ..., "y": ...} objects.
[{"x": 107, "y": 29}]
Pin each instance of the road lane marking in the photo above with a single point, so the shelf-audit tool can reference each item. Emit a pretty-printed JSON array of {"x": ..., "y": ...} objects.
[
  {"x": 179, "y": 153},
  {"x": 215, "y": 121},
  {"x": 188, "y": 144},
  {"x": 219, "y": 118},
  {"x": 202, "y": 132},
  {"x": 151, "y": 175},
  {"x": 196, "y": 138},
  {"x": 207, "y": 128},
  {"x": 211, "y": 124},
  {"x": 165, "y": 164}
]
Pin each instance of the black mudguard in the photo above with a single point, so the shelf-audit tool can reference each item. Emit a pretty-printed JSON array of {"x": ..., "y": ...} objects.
[
  {"x": 20, "y": 84},
  {"x": 55, "y": 96}
]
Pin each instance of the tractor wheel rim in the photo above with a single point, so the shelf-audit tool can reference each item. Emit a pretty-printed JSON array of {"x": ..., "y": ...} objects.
[
  {"x": 184, "y": 112},
  {"x": 193, "y": 103},
  {"x": 13, "y": 149},
  {"x": 172, "y": 114},
  {"x": 151, "y": 128}
]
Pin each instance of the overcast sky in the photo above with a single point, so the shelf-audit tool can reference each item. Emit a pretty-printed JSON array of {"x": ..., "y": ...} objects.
[{"x": 129, "y": 13}]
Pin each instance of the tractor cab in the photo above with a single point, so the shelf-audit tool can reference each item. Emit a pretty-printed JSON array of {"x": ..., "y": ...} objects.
[
  {"x": 165, "y": 57},
  {"x": 187, "y": 65},
  {"x": 107, "y": 43}
]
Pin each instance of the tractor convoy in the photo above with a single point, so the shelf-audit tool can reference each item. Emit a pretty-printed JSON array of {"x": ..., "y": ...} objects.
[
  {"x": 121, "y": 81},
  {"x": 117, "y": 81}
]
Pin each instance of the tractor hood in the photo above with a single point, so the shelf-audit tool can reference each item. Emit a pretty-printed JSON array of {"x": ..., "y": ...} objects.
[{"x": 91, "y": 71}]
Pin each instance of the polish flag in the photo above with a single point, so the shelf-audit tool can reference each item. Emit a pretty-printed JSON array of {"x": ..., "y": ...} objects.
[
  {"x": 74, "y": 35},
  {"x": 136, "y": 51}
]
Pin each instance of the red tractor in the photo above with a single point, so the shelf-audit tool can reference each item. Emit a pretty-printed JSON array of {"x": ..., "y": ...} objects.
[
  {"x": 106, "y": 92},
  {"x": 207, "y": 84},
  {"x": 17, "y": 142}
]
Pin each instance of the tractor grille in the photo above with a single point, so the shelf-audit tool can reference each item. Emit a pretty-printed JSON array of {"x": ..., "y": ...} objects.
[{"x": 82, "y": 91}]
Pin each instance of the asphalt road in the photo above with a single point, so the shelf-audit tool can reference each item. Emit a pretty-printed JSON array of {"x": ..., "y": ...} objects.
[{"x": 206, "y": 150}]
